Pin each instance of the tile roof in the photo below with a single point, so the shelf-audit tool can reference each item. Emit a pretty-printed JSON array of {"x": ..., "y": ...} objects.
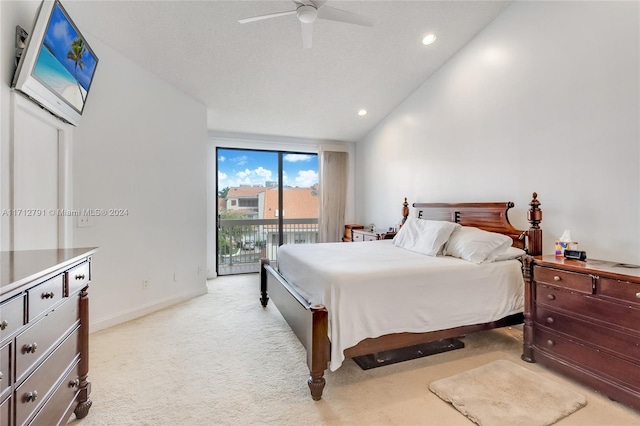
[
  {"x": 297, "y": 202},
  {"x": 245, "y": 191}
]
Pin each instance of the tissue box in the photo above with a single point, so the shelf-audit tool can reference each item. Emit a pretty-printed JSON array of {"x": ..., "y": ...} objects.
[{"x": 561, "y": 246}]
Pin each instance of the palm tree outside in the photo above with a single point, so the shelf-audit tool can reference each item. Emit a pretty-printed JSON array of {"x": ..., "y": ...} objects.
[{"x": 75, "y": 54}]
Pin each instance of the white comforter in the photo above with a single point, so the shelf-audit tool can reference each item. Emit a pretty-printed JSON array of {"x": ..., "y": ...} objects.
[{"x": 374, "y": 288}]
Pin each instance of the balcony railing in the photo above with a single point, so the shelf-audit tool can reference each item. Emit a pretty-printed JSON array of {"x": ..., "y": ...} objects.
[{"x": 243, "y": 242}]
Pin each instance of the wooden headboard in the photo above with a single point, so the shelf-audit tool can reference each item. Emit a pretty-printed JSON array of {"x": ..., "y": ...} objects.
[{"x": 491, "y": 217}]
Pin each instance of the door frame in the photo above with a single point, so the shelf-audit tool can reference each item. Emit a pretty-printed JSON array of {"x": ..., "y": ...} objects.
[{"x": 21, "y": 105}]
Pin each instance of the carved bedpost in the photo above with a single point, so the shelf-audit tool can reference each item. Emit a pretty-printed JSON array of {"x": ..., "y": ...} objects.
[
  {"x": 534, "y": 237},
  {"x": 534, "y": 233},
  {"x": 264, "y": 299},
  {"x": 405, "y": 211},
  {"x": 319, "y": 356}
]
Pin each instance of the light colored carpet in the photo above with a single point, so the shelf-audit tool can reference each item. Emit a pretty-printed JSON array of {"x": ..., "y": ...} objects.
[
  {"x": 221, "y": 359},
  {"x": 486, "y": 396}
]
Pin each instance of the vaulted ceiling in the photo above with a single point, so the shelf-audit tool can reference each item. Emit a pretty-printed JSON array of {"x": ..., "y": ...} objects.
[{"x": 257, "y": 78}]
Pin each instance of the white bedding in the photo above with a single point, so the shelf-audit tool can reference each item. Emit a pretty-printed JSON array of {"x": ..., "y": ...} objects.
[{"x": 375, "y": 288}]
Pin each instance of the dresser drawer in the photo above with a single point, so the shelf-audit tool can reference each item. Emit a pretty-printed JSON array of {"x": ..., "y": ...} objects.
[
  {"x": 5, "y": 412},
  {"x": 78, "y": 278},
  {"x": 361, "y": 235},
  {"x": 31, "y": 394},
  {"x": 623, "y": 291},
  {"x": 5, "y": 370},
  {"x": 11, "y": 316},
  {"x": 570, "y": 280},
  {"x": 600, "y": 363},
  {"x": 43, "y": 296},
  {"x": 589, "y": 307},
  {"x": 58, "y": 405},
  {"x": 625, "y": 345},
  {"x": 35, "y": 342}
]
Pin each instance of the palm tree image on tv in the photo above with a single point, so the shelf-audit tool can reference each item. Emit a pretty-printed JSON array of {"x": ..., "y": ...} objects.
[
  {"x": 75, "y": 54},
  {"x": 65, "y": 63}
]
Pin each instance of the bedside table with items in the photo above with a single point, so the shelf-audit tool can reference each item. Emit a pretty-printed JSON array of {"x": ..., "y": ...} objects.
[
  {"x": 359, "y": 235},
  {"x": 347, "y": 232},
  {"x": 582, "y": 319}
]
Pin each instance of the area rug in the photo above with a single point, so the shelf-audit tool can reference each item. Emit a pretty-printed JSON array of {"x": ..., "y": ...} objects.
[{"x": 504, "y": 393}]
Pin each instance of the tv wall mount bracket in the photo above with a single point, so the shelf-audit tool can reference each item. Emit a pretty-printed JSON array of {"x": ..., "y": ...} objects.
[{"x": 21, "y": 42}]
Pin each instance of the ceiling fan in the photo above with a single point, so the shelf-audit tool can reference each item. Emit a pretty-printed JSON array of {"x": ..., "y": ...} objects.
[{"x": 308, "y": 11}]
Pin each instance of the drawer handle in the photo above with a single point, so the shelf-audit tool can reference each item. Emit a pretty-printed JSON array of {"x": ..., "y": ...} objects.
[
  {"x": 0, "y": 376},
  {"x": 550, "y": 342},
  {"x": 30, "y": 348},
  {"x": 74, "y": 383},
  {"x": 550, "y": 320},
  {"x": 31, "y": 396},
  {"x": 4, "y": 324},
  {"x": 80, "y": 277},
  {"x": 638, "y": 295},
  {"x": 48, "y": 295},
  {"x": 557, "y": 278},
  {"x": 551, "y": 296}
]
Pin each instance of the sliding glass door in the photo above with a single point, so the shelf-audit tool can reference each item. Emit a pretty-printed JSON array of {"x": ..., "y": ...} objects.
[{"x": 265, "y": 199}]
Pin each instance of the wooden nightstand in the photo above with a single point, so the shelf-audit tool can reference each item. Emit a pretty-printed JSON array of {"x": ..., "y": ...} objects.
[
  {"x": 583, "y": 320},
  {"x": 347, "y": 232},
  {"x": 359, "y": 235}
]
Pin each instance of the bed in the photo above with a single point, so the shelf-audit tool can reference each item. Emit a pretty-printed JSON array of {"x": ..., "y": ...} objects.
[{"x": 344, "y": 300}]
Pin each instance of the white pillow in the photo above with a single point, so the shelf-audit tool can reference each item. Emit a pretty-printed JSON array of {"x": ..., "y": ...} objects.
[
  {"x": 476, "y": 245},
  {"x": 424, "y": 236},
  {"x": 511, "y": 253}
]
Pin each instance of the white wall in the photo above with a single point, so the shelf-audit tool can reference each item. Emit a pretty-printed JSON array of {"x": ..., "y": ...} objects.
[
  {"x": 30, "y": 180},
  {"x": 11, "y": 14},
  {"x": 141, "y": 146},
  {"x": 545, "y": 99}
]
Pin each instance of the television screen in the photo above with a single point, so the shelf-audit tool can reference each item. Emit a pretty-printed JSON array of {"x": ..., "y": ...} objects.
[{"x": 57, "y": 65}]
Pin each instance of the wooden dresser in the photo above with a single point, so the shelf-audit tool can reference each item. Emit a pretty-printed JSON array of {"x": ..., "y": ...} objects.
[
  {"x": 582, "y": 319},
  {"x": 44, "y": 336}
]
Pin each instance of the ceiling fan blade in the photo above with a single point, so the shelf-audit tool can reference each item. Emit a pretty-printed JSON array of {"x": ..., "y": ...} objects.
[
  {"x": 333, "y": 14},
  {"x": 307, "y": 34},
  {"x": 261, "y": 17},
  {"x": 318, "y": 3}
]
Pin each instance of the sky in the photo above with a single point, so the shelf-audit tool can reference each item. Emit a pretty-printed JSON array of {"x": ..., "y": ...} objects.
[
  {"x": 59, "y": 36},
  {"x": 244, "y": 167}
]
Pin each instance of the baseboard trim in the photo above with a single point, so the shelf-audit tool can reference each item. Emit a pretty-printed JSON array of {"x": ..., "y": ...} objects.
[{"x": 140, "y": 311}]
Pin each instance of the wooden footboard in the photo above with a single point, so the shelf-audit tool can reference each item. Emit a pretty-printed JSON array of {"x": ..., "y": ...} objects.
[
  {"x": 309, "y": 322},
  {"x": 402, "y": 340}
]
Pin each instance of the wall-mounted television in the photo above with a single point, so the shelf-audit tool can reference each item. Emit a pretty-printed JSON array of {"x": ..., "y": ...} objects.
[{"x": 57, "y": 66}]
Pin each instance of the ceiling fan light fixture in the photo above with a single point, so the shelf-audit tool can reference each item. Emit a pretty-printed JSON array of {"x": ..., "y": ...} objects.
[
  {"x": 428, "y": 39},
  {"x": 307, "y": 14}
]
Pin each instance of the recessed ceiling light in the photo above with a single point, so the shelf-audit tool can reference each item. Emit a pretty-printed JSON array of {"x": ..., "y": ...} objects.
[
  {"x": 428, "y": 39},
  {"x": 362, "y": 112}
]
